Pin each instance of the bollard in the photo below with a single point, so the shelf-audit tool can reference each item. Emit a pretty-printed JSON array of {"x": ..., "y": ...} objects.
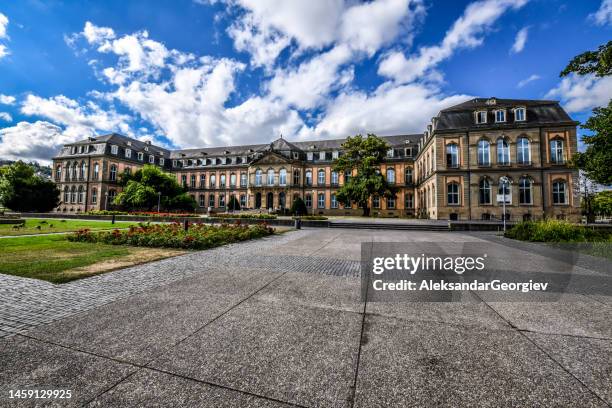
[
  {"x": 186, "y": 225},
  {"x": 113, "y": 219},
  {"x": 298, "y": 223}
]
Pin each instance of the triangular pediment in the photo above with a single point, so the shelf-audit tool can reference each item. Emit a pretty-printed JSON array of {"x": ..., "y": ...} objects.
[{"x": 272, "y": 158}]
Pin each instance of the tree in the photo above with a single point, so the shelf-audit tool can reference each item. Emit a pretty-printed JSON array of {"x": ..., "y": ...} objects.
[
  {"x": 596, "y": 159},
  {"x": 233, "y": 204},
  {"x": 586, "y": 191},
  {"x": 364, "y": 154},
  {"x": 22, "y": 190},
  {"x": 597, "y": 62},
  {"x": 143, "y": 189},
  {"x": 298, "y": 207},
  {"x": 602, "y": 203}
]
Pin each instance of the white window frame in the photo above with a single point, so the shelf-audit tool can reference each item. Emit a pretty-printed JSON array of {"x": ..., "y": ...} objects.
[
  {"x": 140, "y": 156},
  {"x": 161, "y": 161},
  {"x": 477, "y": 117},
  {"x": 151, "y": 159},
  {"x": 309, "y": 156},
  {"x": 114, "y": 149},
  {"x": 503, "y": 113},
  {"x": 522, "y": 109},
  {"x": 128, "y": 153}
]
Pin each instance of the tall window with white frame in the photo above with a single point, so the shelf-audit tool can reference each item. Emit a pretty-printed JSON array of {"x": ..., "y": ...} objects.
[
  {"x": 375, "y": 202},
  {"x": 321, "y": 200},
  {"x": 484, "y": 190},
  {"x": 113, "y": 173},
  {"x": 270, "y": 179},
  {"x": 334, "y": 178},
  {"x": 309, "y": 177},
  {"x": 334, "y": 201},
  {"x": 519, "y": 115},
  {"x": 296, "y": 177},
  {"x": 452, "y": 155},
  {"x": 452, "y": 193},
  {"x": 525, "y": 193},
  {"x": 408, "y": 176},
  {"x": 391, "y": 203},
  {"x": 523, "y": 151},
  {"x": 282, "y": 177},
  {"x": 321, "y": 177},
  {"x": 484, "y": 154},
  {"x": 391, "y": 176},
  {"x": 308, "y": 200},
  {"x": 500, "y": 115},
  {"x": 559, "y": 194},
  {"x": 94, "y": 195},
  {"x": 258, "y": 177},
  {"x": 503, "y": 152},
  {"x": 243, "y": 180},
  {"x": 556, "y": 151}
]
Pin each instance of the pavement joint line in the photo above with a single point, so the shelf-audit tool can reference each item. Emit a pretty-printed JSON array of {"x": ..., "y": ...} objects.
[
  {"x": 363, "y": 318},
  {"x": 522, "y": 333},
  {"x": 565, "y": 335},
  {"x": 439, "y": 322}
]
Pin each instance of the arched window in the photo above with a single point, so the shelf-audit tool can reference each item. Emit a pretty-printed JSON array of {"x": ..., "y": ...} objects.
[
  {"x": 222, "y": 183},
  {"x": 66, "y": 194},
  {"x": 559, "y": 188},
  {"x": 523, "y": 151},
  {"x": 96, "y": 173},
  {"x": 80, "y": 196},
  {"x": 258, "y": 177},
  {"x": 503, "y": 152},
  {"x": 556, "y": 151},
  {"x": 452, "y": 193},
  {"x": 334, "y": 179},
  {"x": 270, "y": 180},
  {"x": 113, "y": 173},
  {"x": 82, "y": 173},
  {"x": 73, "y": 195},
  {"x": 213, "y": 182},
  {"x": 296, "y": 177},
  {"x": 321, "y": 177},
  {"x": 309, "y": 177},
  {"x": 334, "y": 201},
  {"x": 503, "y": 188},
  {"x": 233, "y": 180},
  {"x": 94, "y": 195},
  {"x": 70, "y": 170},
  {"x": 391, "y": 176},
  {"x": 192, "y": 181},
  {"x": 58, "y": 172},
  {"x": 525, "y": 190},
  {"x": 282, "y": 178},
  {"x": 243, "y": 180},
  {"x": 202, "y": 201},
  {"x": 452, "y": 155},
  {"x": 484, "y": 154},
  {"x": 484, "y": 188},
  {"x": 408, "y": 177}
]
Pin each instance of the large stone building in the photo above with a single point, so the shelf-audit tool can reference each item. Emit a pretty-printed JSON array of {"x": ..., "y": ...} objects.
[{"x": 451, "y": 171}]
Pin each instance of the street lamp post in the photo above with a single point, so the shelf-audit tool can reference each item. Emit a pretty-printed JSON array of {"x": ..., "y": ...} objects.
[
  {"x": 313, "y": 201},
  {"x": 106, "y": 200},
  {"x": 505, "y": 182}
]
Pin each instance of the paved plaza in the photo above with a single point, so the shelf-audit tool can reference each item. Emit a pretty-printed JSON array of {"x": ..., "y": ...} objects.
[{"x": 279, "y": 322}]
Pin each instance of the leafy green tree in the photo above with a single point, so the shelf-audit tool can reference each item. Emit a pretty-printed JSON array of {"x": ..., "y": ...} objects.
[
  {"x": 22, "y": 190},
  {"x": 143, "y": 188},
  {"x": 364, "y": 154},
  {"x": 597, "y": 62},
  {"x": 596, "y": 159},
  {"x": 298, "y": 207},
  {"x": 233, "y": 204},
  {"x": 602, "y": 203}
]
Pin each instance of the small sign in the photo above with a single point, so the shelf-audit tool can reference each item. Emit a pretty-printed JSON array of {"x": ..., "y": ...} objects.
[{"x": 500, "y": 198}]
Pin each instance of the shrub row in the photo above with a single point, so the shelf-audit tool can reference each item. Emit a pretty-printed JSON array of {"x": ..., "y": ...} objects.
[
  {"x": 142, "y": 213},
  {"x": 199, "y": 236},
  {"x": 311, "y": 217},
  {"x": 556, "y": 231},
  {"x": 251, "y": 216}
]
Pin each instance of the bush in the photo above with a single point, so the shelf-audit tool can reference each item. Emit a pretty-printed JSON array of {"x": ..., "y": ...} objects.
[
  {"x": 251, "y": 216},
  {"x": 312, "y": 217},
  {"x": 555, "y": 231},
  {"x": 298, "y": 207},
  {"x": 199, "y": 236},
  {"x": 106, "y": 212}
]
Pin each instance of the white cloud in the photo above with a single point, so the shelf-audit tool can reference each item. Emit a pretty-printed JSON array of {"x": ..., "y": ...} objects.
[
  {"x": 466, "y": 32},
  {"x": 3, "y": 24},
  {"x": 5, "y": 116},
  {"x": 262, "y": 43},
  {"x": 7, "y": 99},
  {"x": 603, "y": 16},
  {"x": 97, "y": 35},
  {"x": 531, "y": 78},
  {"x": 520, "y": 40},
  {"x": 582, "y": 93},
  {"x": 32, "y": 141}
]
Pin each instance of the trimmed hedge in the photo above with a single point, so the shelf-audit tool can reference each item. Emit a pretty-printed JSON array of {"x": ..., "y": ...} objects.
[
  {"x": 556, "y": 231},
  {"x": 250, "y": 216},
  {"x": 199, "y": 236}
]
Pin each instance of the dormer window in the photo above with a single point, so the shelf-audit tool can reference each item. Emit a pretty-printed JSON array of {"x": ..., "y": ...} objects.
[
  {"x": 519, "y": 115},
  {"x": 140, "y": 156},
  {"x": 128, "y": 153},
  {"x": 146, "y": 148},
  {"x": 321, "y": 155},
  {"x": 309, "y": 156},
  {"x": 500, "y": 116},
  {"x": 174, "y": 163},
  {"x": 161, "y": 161},
  {"x": 114, "y": 149},
  {"x": 408, "y": 152},
  {"x": 481, "y": 117},
  {"x": 151, "y": 159},
  {"x": 390, "y": 153},
  {"x": 335, "y": 154}
]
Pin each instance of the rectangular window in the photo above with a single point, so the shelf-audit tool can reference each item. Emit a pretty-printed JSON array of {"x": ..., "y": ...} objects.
[
  {"x": 213, "y": 181},
  {"x": 408, "y": 177},
  {"x": 140, "y": 156},
  {"x": 128, "y": 153},
  {"x": 151, "y": 159},
  {"x": 202, "y": 200},
  {"x": 184, "y": 180},
  {"x": 335, "y": 154},
  {"x": 161, "y": 161},
  {"x": 321, "y": 200},
  {"x": 409, "y": 200},
  {"x": 375, "y": 202},
  {"x": 334, "y": 178},
  {"x": 211, "y": 200},
  {"x": 94, "y": 196},
  {"x": 309, "y": 156},
  {"x": 308, "y": 200},
  {"x": 243, "y": 202},
  {"x": 202, "y": 180},
  {"x": 390, "y": 153},
  {"x": 221, "y": 200},
  {"x": 192, "y": 181},
  {"x": 391, "y": 203},
  {"x": 500, "y": 116},
  {"x": 243, "y": 179},
  {"x": 221, "y": 184},
  {"x": 232, "y": 180},
  {"x": 321, "y": 155},
  {"x": 481, "y": 117},
  {"x": 334, "y": 201},
  {"x": 519, "y": 115},
  {"x": 114, "y": 149},
  {"x": 321, "y": 177}
]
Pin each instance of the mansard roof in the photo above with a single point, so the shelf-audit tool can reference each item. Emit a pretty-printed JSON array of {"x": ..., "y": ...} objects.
[
  {"x": 122, "y": 141},
  {"x": 538, "y": 112}
]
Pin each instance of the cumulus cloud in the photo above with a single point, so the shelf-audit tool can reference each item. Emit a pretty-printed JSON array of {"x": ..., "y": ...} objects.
[
  {"x": 530, "y": 78},
  {"x": 520, "y": 40},
  {"x": 5, "y": 116},
  {"x": 7, "y": 99},
  {"x": 603, "y": 16},
  {"x": 581, "y": 93},
  {"x": 466, "y": 32},
  {"x": 38, "y": 141},
  {"x": 3, "y": 24}
]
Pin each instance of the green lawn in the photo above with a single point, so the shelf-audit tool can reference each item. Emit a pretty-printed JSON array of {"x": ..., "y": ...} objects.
[
  {"x": 55, "y": 259},
  {"x": 58, "y": 225}
]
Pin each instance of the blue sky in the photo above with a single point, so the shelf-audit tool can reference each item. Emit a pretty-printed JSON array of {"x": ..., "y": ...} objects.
[{"x": 204, "y": 73}]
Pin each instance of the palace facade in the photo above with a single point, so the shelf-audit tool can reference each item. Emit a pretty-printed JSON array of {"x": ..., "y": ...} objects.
[{"x": 451, "y": 171}]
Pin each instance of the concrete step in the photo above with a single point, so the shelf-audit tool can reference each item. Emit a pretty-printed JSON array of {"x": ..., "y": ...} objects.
[{"x": 389, "y": 226}]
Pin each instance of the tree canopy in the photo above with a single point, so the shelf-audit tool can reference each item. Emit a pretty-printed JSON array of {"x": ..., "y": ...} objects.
[
  {"x": 363, "y": 154},
  {"x": 597, "y": 62},
  {"x": 143, "y": 188},
  {"x": 22, "y": 190}
]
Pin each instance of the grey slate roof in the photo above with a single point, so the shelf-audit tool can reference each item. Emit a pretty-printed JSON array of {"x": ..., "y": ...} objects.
[
  {"x": 539, "y": 112},
  {"x": 122, "y": 141}
]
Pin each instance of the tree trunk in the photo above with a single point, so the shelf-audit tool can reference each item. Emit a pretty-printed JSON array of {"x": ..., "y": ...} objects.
[{"x": 366, "y": 211}]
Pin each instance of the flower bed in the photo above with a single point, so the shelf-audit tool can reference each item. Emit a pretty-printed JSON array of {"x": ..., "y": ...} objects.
[
  {"x": 199, "y": 236},
  {"x": 142, "y": 213},
  {"x": 250, "y": 216},
  {"x": 105, "y": 212}
]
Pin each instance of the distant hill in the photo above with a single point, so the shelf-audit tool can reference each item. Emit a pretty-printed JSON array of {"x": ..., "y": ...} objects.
[{"x": 39, "y": 170}]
